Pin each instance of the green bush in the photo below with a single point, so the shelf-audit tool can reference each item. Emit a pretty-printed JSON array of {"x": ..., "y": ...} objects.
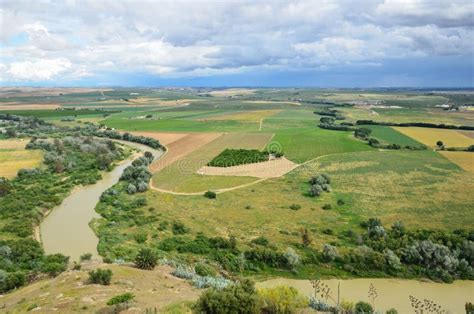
[
  {"x": 210, "y": 194},
  {"x": 260, "y": 241},
  {"x": 179, "y": 228},
  {"x": 54, "y": 264},
  {"x": 100, "y": 276},
  {"x": 237, "y": 298},
  {"x": 295, "y": 206},
  {"x": 121, "y": 298},
  {"x": 86, "y": 257},
  {"x": 363, "y": 307},
  {"x": 281, "y": 299},
  {"x": 146, "y": 259},
  {"x": 204, "y": 270}
]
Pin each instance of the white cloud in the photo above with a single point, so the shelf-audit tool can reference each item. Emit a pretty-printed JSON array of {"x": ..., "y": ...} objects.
[
  {"x": 40, "y": 70},
  {"x": 74, "y": 39}
]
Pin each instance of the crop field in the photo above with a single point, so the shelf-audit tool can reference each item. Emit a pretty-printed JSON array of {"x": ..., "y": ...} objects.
[
  {"x": 429, "y": 137},
  {"x": 255, "y": 115},
  {"x": 14, "y": 157},
  {"x": 181, "y": 175},
  {"x": 303, "y": 144},
  {"x": 465, "y": 160},
  {"x": 391, "y": 136}
]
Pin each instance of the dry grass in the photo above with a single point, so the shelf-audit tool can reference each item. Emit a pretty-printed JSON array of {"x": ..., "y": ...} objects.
[
  {"x": 253, "y": 116},
  {"x": 429, "y": 136},
  {"x": 232, "y": 92},
  {"x": 268, "y": 169},
  {"x": 13, "y": 160},
  {"x": 12, "y": 144},
  {"x": 464, "y": 160},
  {"x": 70, "y": 293}
]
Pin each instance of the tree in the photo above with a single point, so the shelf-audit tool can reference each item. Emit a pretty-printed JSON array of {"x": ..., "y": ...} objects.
[
  {"x": 146, "y": 259},
  {"x": 210, "y": 194},
  {"x": 362, "y": 133},
  {"x": 440, "y": 144},
  {"x": 315, "y": 190}
]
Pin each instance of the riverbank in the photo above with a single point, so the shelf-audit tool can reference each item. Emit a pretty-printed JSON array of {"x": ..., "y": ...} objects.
[{"x": 66, "y": 228}]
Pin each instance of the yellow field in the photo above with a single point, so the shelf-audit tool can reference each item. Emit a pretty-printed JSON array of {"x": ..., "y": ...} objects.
[
  {"x": 464, "y": 160},
  {"x": 429, "y": 136},
  {"x": 13, "y": 160},
  {"x": 255, "y": 115}
]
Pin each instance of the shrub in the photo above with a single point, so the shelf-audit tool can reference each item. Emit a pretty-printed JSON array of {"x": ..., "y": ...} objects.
[
  {"x": 146, "y": 259},
  {"x": 363, "y": 307},
  {"x": 140, "y": 237},
  {"x": 210, "y": 194},
  {"x": 340, "y": 202},
  {"x": 362, "y": 133},
  {"x": 347, "y": 306},
  {"x": 86, "y": 257},
  {"x": 100, "y": 276},
  {"x": 54, "y": 264},
  {"x": 121, "y": 301},
  {"x": 292, "y": 258},
  {"x": 327, "y": 206},
  {"x": 204, "y": 270},
  {"x": 315, "y": 190},
  {"x": 237, "y": 298},
  {"x": 306, "y": 237},
  {"x": 179, "y": 228},
  {"x": 260, "y": 241},
  {"x": 329, "y": 253},
  {"x": 295, "y": 206},
  {"x": 394, "y": 311},
  {"x": 281, "y": 299}
]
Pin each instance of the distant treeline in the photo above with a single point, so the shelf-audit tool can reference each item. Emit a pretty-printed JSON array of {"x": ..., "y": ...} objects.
[{"x": 418, "y": 124}]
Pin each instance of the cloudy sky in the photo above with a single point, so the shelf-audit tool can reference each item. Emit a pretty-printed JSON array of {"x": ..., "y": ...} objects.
[{"x": 237, "y": 43}]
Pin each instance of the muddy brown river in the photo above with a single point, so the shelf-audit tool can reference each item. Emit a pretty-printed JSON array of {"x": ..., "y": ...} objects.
[
  {"x": 66, "y": 229},
  {"x": 392, "y": 293}
]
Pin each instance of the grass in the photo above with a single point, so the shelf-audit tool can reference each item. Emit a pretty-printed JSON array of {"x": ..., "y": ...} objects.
[
  {"x": 429, "y": 137},
  {"x": 13, "y": 157},
  {"x": 181, "y": 175},
  {"x": 391, "y": 136},
  {"x": 303, "y": 144},
  {"x": 392, "y": 185}
]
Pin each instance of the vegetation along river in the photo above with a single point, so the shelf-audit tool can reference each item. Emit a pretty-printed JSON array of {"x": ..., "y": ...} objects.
[
  {"x": 392, "y": 293},
  {"x": 66, "y": 229}
]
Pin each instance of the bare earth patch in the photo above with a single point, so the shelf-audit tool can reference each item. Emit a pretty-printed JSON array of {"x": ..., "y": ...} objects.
[
  {"x": 181, "y": 147},
  {"x": 232, "y": 92},
  {"x": 165, "y": 138},
  {"x": 267, "y": 169},
  {"x": 20, "y": 106},
  {"x": 464, "y": 160},
  {"x": 272, "y": 102},
  {"x": 467, "y": 133}
]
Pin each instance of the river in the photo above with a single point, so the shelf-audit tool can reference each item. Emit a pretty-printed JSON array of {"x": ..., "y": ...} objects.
[
  {"x": 392, "y": 293},
  {"x": 66, "y": 229}
]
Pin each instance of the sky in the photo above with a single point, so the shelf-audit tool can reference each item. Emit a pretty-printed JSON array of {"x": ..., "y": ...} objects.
[{"x": 402, "y": 43}]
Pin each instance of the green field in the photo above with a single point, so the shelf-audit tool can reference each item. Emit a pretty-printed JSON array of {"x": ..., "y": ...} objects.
[
  {"x": 391, "y": 136},
  {"x": 303, "y": 144}
]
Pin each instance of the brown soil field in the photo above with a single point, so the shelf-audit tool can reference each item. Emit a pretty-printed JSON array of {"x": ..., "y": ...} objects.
[
  {"x": 268, "y": 169},
  {"x": 182, "y": 147},
  {"x": 232, "y": 92},
  {"x": 467, "y": 133},
  {"x": 272, "y": 102},
  {"x": 21, "y": 106},
  {"x": 164, "y": 138},
  {"x": 69, "y": 292},
  {"x": 464, "y": 160}
]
